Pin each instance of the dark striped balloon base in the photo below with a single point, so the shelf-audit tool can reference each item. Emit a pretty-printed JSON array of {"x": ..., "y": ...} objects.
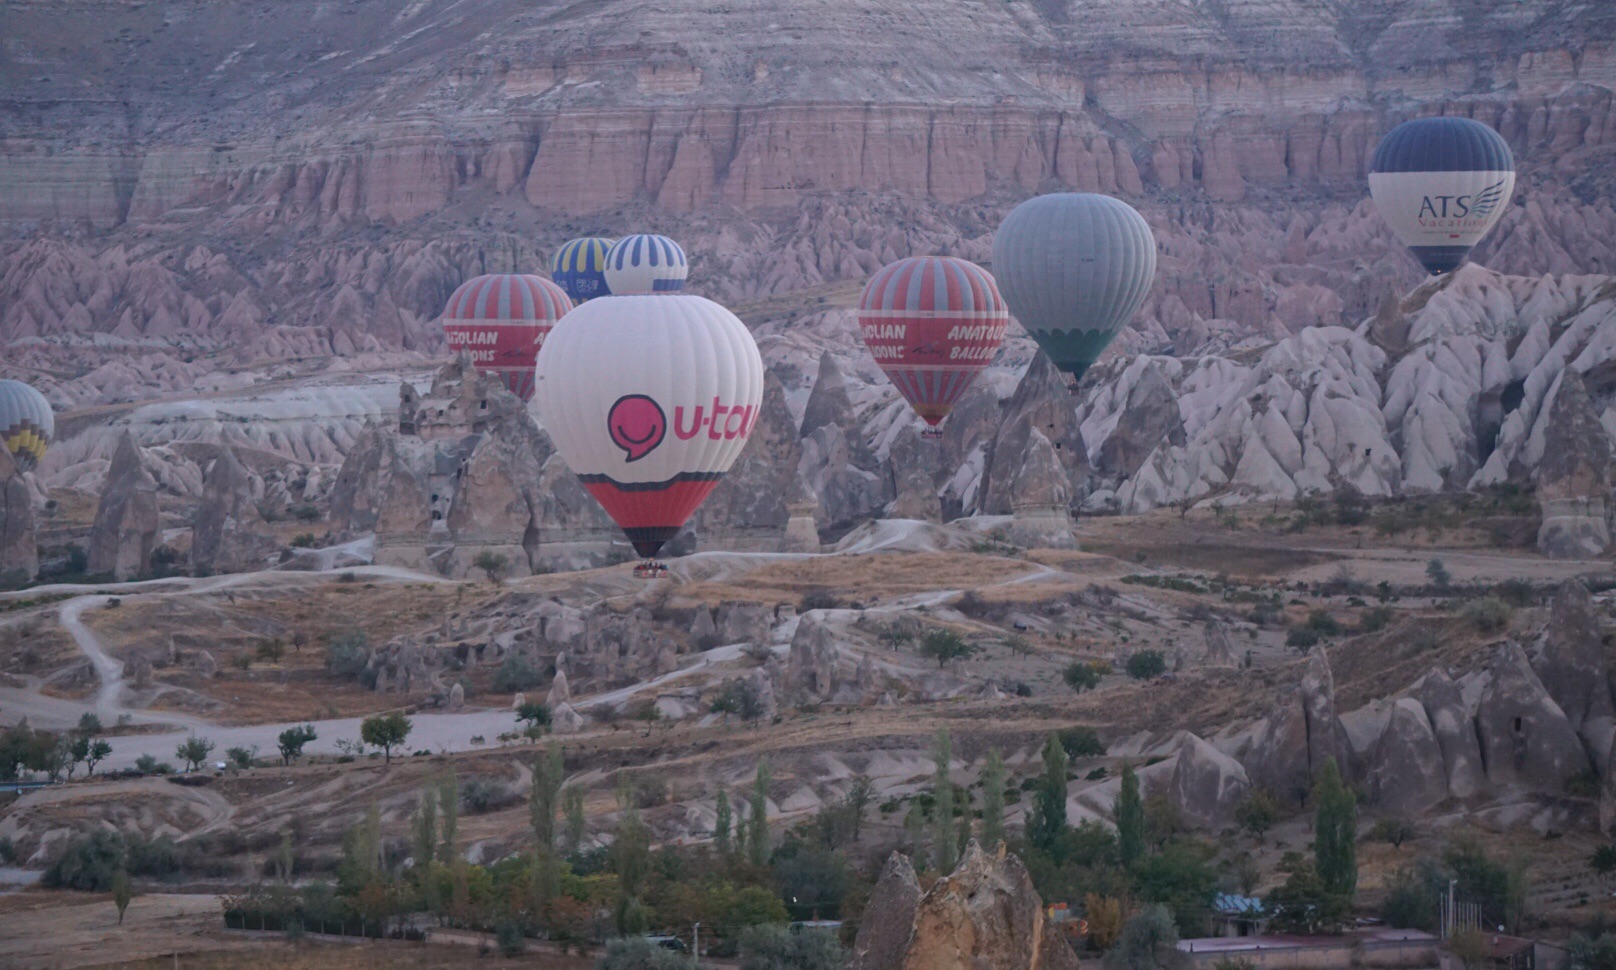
[{"x": 1440, "y": 259}]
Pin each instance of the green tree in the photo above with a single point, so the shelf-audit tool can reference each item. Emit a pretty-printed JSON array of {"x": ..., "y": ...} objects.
[
  {"x": 1047, "y": 822},
  {"x": 89, "y": 725},
  {"x": 292, "y": 741},
  {"x": 78, "y": 749},
  {"x": 757, "y": 829},
  {"x": 193, "y": 751},
  {"x": 424, "y": 844},
  {"x": 1335, "y": 832},
  {"x": 99, "y": 749},
  {"x": 1437, "y": 572},
  {"x": 942, "y": 786},
  {"x": 1149, "y": 941},
  {"x": 945, "y": 646},
  {"x": 549, "y": 773},
  {"x": 1081, "y": 676},
  {"x": 1082, "y": 742},
  {"x": 859, "y": 796},
  {"x": 492, "y": 564},
  {"x": 1603, "y": 860},
  {"x": 122, "y": 892},
  {"x": 535, "y": 714},
  {"x": 449, "y": 814},
  {"x": 1145, "y": 664},
  {"x": 1305, "y": 904},
  {"x": 773, "y": 947},
  {"x": 638, "y": 953},
  {"x": 1130, "y": 815},
  {"x": 631, "y": 844},
  {"x": 1182, "y": 878},
  {"x": 740, "y": 698},
  {"x": 993, "y": 799},
  {"x": 1257, "y": 812},
  {"x": 385, "y": 731},
  {"x": 572, "y": 810},
  {"x": 721, "y": 826}
]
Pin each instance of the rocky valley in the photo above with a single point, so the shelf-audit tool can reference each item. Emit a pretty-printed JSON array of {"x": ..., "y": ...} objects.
[{"x": 1315, "y": 524}]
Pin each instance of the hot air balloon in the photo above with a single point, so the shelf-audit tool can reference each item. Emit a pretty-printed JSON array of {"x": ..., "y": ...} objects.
[
  {"x": 1441, "y": 183},
  {"x": 649, "y": 400},
  {"x": 579, "y": 267},
  {"x": 501, "y": 320},
  {"x": 932, "y": 323},
  {"x": 27, "y": 423},
  {"x": 1074, "y": 267},
  {"x": 645, "y": 264}
]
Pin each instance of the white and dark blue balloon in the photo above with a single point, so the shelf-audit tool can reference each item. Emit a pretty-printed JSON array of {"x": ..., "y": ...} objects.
[
  {"x": 645, "y": 263},
  {"x": 1441, "y": 184}
]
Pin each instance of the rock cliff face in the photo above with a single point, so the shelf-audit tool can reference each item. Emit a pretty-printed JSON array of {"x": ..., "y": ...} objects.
[
  {"x": 232, "y": 205},
  {"x": 19, "y": 551},
  {"x": 229, "y": 535},
  {"x": 1574, "y": 477},
  {"x": 985, "y": 915},
  {"x": 126, "y": 525}
]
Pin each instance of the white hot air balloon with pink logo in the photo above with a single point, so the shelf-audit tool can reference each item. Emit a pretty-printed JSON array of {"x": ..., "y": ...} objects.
[{"x": 649, "y": 400}]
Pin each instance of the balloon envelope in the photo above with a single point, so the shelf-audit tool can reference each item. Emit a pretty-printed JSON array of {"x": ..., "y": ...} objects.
[
  {"x": 1441, "y": 184},
  {"x": 932, "y": 323},
  {"x": 501, "y": 320},
  {"x": 27, "y": 423},
  {"x": 579, "y": 267},
  {"x": 649, "y": 399},
  {"x": 1074, "y": 267},
  {"x": 645, "y": 264}
]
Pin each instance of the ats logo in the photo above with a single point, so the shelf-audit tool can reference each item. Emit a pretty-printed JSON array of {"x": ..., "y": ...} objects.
[
  {"x": 1456, "y": 208},
  {"x": 637, "y": 424}
]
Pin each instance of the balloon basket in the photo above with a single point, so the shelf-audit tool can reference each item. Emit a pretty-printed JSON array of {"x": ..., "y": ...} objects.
[
  {"x": 651, "y": 569},
  {"x": 929, "y": 433},
  {"x": 1074, "y": 389}
]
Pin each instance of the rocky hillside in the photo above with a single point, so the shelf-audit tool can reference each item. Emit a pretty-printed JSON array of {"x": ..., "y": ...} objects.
[{"x": 185, "y": 193}]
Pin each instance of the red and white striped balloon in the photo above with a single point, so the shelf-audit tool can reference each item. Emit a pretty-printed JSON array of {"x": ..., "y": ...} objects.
[
  {"x": 501, "y": 319},
  {"x": 932, "y": 323}
]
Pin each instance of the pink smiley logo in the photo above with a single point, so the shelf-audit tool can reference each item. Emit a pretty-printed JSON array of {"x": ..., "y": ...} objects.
[{"x": 637, "y": 425}]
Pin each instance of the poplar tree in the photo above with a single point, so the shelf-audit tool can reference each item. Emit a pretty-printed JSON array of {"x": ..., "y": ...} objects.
[
  {"x": 1130, "y": 816},
  {"x": 993, "y": 800},
  {"x": 1335, "y": 832},
  {"x": 1047, "y": 822},
  {"x": 943, "y": 805},
  {"x": 757, "y": 831}
]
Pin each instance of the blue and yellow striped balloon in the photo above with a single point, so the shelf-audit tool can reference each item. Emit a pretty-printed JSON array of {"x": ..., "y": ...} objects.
[
  {"x": 579, "y": 267},
  {"x": 27, "y": 423}
]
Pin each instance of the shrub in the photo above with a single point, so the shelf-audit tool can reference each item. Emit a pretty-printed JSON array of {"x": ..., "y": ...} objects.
[
  {"x": 945, "y": 646},
  {"x": 1489, "y": 614},
  {"x": 773, "y": 947},
  {"x": 304, "y": 540},
  {"x": 1322, "y": 623},
  {"x": 1080, "y": 676},
  {"x": 638, "y": 953},
  {"x": 1437, "y": 572},
  {"x": 148, "y": 765},
  {"x": 89, "y": 864},
  {"x": 240, "y": 757},
  {"x": 1082, "y": 742},
  {"x": 481, "y": 795},
  {"x": 347, "y": 653},
  {"x": 516, "y": 673},
  {"x": 509, "y": 937},
  {"x": 817, "y": 599},
  {"x": 1301, "y": 638},
  {"x": 1146, "y": 664}
]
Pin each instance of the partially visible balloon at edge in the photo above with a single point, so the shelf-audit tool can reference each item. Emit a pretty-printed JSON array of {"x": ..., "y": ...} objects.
[
  {"x": 579, "y": 267},
  {"x": 27, "y": 423},
  {"x": 1442, "y": 184},
  {"x": 1074, "y": 268}
]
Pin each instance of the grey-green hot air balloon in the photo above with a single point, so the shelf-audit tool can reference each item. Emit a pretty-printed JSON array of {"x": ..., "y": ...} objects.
[{"x": 1074, "y": 267}]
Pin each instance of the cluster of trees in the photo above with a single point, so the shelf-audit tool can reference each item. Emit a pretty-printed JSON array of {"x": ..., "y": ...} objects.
[
  {"x": 54, "y": 755},
  {"x": 583, "y": 891}
]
